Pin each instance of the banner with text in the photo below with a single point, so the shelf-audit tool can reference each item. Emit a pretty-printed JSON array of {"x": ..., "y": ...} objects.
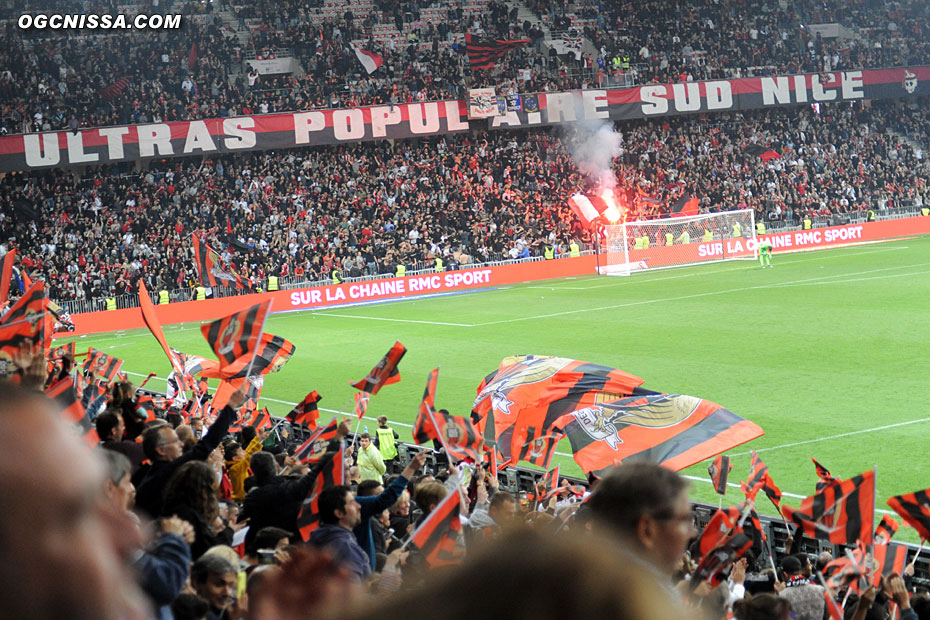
[{"x": 290, "y": 130}]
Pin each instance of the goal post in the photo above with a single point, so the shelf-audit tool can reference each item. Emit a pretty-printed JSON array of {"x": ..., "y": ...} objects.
[{"x": 678, "y": 241}]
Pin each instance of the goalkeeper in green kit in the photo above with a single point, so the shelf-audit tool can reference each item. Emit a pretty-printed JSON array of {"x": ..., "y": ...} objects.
[{"x": 765, "y": 253}]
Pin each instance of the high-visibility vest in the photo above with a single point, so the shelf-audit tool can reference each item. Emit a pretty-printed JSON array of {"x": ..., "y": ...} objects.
[
  {"x": 401, "y": 271},
  {"x": 807, "y": 223},
  {"x": 272, "y": 283},
  {"x": 684, "y": 237},
  {"x": 201, "y": 293},
  {"x": 439, "y": 266},
  {"x": 645, "y": 242},
  {"x": 163, "y": 297},
  {"x": 925, "y": 210},
  {"x": 573, "y": 249},
  {"x": 386, "y": 443},
  {"x": 708, "y": 236},
  {"x": 549, "y": 252},
  {"x": 870, "y": 216},
  {"x": 737, "y": 230},
  {"x": 111, "y": 303},
  {"x": 669, "y": 238},
  {"x": 638, "y": 244},
  {"x": 625, "y": 62},
  {"x": 337, "y": 276},
  {"x": 760, "y": 228}
]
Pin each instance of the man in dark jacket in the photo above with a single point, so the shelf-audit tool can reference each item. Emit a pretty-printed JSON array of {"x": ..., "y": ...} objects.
[
  {"x": 163, "y": 449},
  {"x": 276, "y": 501},
  {"x": 339, "y": 515}
]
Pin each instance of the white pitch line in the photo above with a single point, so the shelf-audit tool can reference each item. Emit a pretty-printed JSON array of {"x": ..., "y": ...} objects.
[
  {"x": 847, "y": 281},
  {"x": 831, "y": 437},
  {"x": 678, "y": 298},
  {"x": 381, "y": 318}
]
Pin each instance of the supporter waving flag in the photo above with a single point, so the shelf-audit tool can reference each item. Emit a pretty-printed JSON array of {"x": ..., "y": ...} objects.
[
  {"x": 211, "y": 269},
  {"x": 13, "y": 336},
  {"x": 719, "y": 469},
  {"x": 715, "y": 562},
  {"x": 458, "y": 436},
  {"x": 102, "y": 365},
  {"x": 314, "y": 447},
  {"x": 32, "y": 309},
  {"x": 260, "y": 419},
  {"x": 720, "y": 526},
  {"x": 674, "y": 430},
  {"x": 235, "y": 338},
  {"x": 887, "y": 558},
  {"x": 270, "y": 356},
  {"x": 384, "y": 372},
  {"x": 438, "y": 534},
  {"x": 423, "y": 427},
  {"x": 537, "y": 448},
  {"x": 306, "y": 412},
  {"x": 483, "y": 54},
  {"x": 146, "y": 408},
  {"x": 61, "y": 351},
  {"x": 914, "y": 508},
  {"x": 851, "y": 504},
  {"x": 332, "y": 474}
]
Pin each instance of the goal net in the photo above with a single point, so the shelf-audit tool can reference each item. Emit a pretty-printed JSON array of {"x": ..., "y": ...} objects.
[{"x": 672, "y": 242}]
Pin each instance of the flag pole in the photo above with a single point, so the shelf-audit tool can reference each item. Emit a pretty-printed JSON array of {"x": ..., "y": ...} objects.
[{"x": 919, "y": 549}]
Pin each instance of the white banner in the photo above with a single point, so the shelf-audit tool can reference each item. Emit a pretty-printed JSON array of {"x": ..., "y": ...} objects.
[
  {"x": 482, "y": 103},
  {"x": 274, "y": 65}
]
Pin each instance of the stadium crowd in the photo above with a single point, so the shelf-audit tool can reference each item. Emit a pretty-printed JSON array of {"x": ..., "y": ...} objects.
[
  {"x": 50, "y": 82},
  {"x": 362, "y": 209},
  {"x": 142, "y": 526}
]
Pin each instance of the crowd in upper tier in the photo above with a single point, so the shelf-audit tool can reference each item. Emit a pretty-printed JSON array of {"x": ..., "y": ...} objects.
[{"x": 362, "y": 209}]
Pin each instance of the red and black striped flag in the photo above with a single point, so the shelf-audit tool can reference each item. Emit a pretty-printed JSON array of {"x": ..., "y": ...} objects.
[
  {"x": 61, "y": 351},
  {"x": 717, "y": 560},
  {"x": 361, "y": 404},
  {"x": 314, "y": 447},
  {"x": 115, "y": 89},
  {"x": 27, "y": 320},
  {"x": 673, "y": 430},
  {"x": 306, "y": 412},
  {"x": 536, "y": 447},
  {"x": 550, "y": 482},
  {"x": 719, "y": 470},
  {"x": 458, "y": 436},
  {"x": 272, "y": 353},
  {"x": 846, "y": 570},
  {"x": 259, "y": 419},
  {"x": 483, "y": 54},
  {"x": 885, "y": 530},
  {"x": 824, "y": 477},
  {"x": 833, "y": 608},
  {"x": 850, "y": 504},
  {"x": 65, "y": 397},
  {"x": 331, "y": 475},
  {"x": 914, "y": 508},
  {"x": 235, "y": 338},
  {"x": 102, "y": 365},
  {"x": 6, "y": 274},
  {"x": 437, "y": 536},
  {"x": 384, "y": 372},
  {"x": 211, "y": 269},
  {"x": 888, "y": 558},
  {"x": 146, "y": 408},
  {"x": 759, "y": 479},
  {"x": 154, "y": 325},
  {"x": 423, "y": 427},
  {"x": 721, "y": 525}
]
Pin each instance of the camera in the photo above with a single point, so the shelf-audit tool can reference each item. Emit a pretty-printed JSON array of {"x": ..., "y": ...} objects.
[{"x": 265, "y": 556}]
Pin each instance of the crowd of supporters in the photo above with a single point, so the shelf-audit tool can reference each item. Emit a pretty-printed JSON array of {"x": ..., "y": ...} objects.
[
  {"x": 143, "y": 526},
  {"x": 50, "y": 80},
  {"x": 362, "y": 209}
]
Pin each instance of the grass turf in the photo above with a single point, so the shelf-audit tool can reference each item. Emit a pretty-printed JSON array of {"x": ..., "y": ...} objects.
[{"x": 824, "y": 351}]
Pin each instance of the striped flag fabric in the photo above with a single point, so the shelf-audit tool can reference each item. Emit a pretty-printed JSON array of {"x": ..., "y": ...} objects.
[
  {"x": 423, "y": 428},
  {"x": 484, "y": 54},
  {"x": 885, "y": 529},
  {"x": 824, "y": 477},
  {"x": 102, "y": 365},
  {"x": 384, "y": 372},
  {"x": 850, "y": 504},
  {"x": 458, "y": 436},
  {"x": 65, "y": 397},
  {"x": 551, "y": 482},
  {"x": 212, "y": 271},
  {"x": 537, "y": 448},
  {"x": 115, "y": 88},
  {"x": 235, "y": 338},
  {"x": 914, "y": 508},
  {"x": 719, "y": 469},
  {"x": 437, "y": 536},
  {"x": 6, "y": 274},
  {"x": 311, "y": 450},
  {"x": 332, "y": 474},
  {"x": 361, "y": 404},
  {"x": 369, "y": 60},
  {"x": 759, "y": 479},
  {"x": 888, "y": 558},
  {"x": 154, "y": 325},
  {"x": 306, "y": 412},
  {"x": 272, "y": 354}
]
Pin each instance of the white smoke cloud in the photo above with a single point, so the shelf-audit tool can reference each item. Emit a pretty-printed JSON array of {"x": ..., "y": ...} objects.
[{"x": 594, "y": 144}]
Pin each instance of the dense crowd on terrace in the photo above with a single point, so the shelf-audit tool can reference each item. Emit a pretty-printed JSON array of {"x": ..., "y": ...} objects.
[
  {"x": 363, "y": 209},
  {"x": 145, "y": 529},
  {"x": 59, "y": 82}
]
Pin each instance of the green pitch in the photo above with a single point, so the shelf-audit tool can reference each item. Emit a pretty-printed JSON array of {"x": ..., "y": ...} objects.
[{"x": 827, "y": 352}]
